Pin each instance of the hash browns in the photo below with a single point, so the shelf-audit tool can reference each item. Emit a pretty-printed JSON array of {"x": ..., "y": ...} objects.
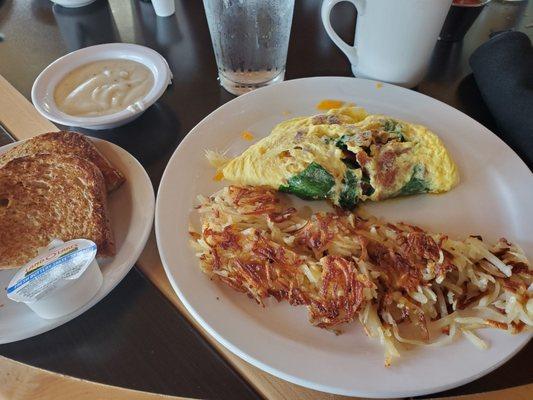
[{"x": 343, "y": 267}]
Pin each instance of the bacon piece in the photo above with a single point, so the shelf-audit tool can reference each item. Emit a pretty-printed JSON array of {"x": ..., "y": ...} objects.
[
  {"x": 386, "y": 171},
  {"x": 322, "y": 119},
  {"x": 362, "y": 139},
  {"x": 362, "y": 158},
  {"x": 333, "y": 120},
  {"x": 319, "y": 119},
  {"x": 299, "y": 135}
]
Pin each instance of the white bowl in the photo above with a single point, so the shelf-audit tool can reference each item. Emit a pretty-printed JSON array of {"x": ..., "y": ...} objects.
[
  {"x": 42, "y": 92},
  {"x": 73, "y": 3}
]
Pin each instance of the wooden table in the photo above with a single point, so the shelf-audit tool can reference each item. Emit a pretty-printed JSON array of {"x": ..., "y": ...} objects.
[{"x": 135, "y": 337}]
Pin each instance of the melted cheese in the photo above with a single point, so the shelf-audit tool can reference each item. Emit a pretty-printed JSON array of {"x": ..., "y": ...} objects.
[{"x": 329, "y": 104}]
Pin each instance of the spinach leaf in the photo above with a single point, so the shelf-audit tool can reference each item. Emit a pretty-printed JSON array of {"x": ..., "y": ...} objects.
[
  {"x": 415, "y": 184},
  {"x": 312, "y": 183},
  {"x": 366, "y": 187},
  {"x": 348, "y": 197},
  {"x": 395, "y": 127},
  {"x": 350, "y": 160},
  {"x": 389, "y": 125},
  {"x": 351, "y": 163},
  {"x": 341, "y": 142}
]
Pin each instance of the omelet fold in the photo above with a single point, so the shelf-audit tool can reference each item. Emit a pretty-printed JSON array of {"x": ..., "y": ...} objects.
[{"x": 346, "y": 156}]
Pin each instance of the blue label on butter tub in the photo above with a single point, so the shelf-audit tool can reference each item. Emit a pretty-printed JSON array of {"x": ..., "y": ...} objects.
[
  {"x": 60, "y": 262},
  {"x": 74, "y": 255}
]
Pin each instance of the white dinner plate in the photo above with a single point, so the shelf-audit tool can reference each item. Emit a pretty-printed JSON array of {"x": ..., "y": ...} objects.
[
  {"x": 131, "y": 210},
  {"x": 493, "y": 199}
]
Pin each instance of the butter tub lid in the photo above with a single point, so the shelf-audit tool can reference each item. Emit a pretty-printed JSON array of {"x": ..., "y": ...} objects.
[{"x": 55, "y": 267}]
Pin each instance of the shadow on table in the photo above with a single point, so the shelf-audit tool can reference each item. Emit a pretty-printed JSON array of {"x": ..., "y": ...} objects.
[
  {"x": 445, "y": 65},
  {"x": 138, "y": 332},
  {"x": 472, "y": 104},
  {"x": 148, "y": 137},
  {"x": 515, "y": 372},
  {"x": 5, "y": 9},
  {"x": 86, "y": 26},
  {"x": 151, "y": 138}
]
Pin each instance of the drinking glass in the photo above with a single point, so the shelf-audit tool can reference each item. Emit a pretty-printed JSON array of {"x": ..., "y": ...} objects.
[{"x": 250, "y": 40}]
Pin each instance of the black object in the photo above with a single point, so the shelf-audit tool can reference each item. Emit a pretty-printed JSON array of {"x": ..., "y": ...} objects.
[
  {"x": 503, "y": 69},
  {"x": 458, "y": 21}
]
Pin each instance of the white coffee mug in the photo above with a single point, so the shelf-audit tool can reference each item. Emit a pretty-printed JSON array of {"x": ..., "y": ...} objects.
[{"x": 394, "y": 39}]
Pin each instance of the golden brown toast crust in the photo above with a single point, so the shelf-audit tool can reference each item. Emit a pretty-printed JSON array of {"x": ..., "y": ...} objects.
[
  {"x": 67, "y": 143},
  {"x": 49, "y": 196}
]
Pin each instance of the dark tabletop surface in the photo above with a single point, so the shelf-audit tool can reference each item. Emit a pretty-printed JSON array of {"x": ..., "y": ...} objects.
[{"x": 135, "y": 338}]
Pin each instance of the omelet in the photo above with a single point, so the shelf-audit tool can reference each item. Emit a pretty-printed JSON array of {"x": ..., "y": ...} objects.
[{"x": 346, "y": 156}]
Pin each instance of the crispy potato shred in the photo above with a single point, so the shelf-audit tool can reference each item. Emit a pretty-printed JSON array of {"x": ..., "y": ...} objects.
[{"x": 406, "y": 286}]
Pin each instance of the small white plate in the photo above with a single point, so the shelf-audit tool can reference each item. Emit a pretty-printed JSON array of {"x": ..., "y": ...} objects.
[
  {"x": 131, "y": 209},
  {"x": 42, "y": 92},
  {"x": 493, "y": 199}
]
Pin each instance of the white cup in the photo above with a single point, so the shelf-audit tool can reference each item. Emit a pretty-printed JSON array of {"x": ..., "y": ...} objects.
[{"x": 394, "y": 39}]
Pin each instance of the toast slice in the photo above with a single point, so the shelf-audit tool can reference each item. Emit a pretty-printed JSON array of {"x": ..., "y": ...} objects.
[
  {"x": 67, "y": 143},
  {"x": 47, "y": 196}
]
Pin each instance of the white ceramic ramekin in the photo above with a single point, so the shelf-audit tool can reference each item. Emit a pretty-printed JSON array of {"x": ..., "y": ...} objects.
[
  {"x": 42, "y": 92},
  {"x": 73, "y": 3}
]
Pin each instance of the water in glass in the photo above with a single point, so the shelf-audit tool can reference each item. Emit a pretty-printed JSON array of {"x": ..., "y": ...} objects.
[{"x": 250, "y": 41}]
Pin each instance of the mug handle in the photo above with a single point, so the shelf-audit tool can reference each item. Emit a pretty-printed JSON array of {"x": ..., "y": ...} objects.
[{"x": 327, "y": 6}]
